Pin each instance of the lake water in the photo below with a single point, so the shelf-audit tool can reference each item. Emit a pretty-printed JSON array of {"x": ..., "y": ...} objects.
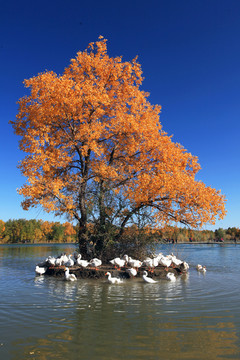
[{"x": 197, "y": 317}]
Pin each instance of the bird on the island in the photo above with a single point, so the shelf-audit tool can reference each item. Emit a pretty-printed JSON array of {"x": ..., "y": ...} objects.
[
  {"x": 118, "y": 263},
  {"x": 126, "y": 257},
  {"x": 134, "y": 263},
  {"x": 113, "y": 280},
  {"x": 151, "y": 263},
  {"x": 165, "y": 261},
  {"x": 176, "y": 261},
  {"x": 83, "y": 263},
  {"x": 171, "y": 276},
  {"x": 185, "y": 266},
  {"x": 77, "y": 257},
  {"x": 148, "y": 279},
  {"x": 69, "y": 277},
  {"x": 50, "y": 260},
  {"x": 40, "y": 270},
  {"x": 70, "y": 261},
  {"x": 64, "y": 259},
  {"x": 59, "y": 261},
  {"x": 95, "y": 263},
  {"x": 131, "y": 271}
]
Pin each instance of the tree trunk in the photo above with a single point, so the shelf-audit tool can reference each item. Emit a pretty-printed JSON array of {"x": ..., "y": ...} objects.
[
  {"x": 83, "y": 236},
  {"x": 102, "y": 220}
]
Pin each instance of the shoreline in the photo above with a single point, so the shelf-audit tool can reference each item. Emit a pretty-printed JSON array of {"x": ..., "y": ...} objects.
[{"x": 160, "y": 243}]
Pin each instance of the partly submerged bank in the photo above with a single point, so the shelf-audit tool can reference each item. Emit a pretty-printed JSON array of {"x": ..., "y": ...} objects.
[
  {"x": 231, "y": 242},
  {"x": 91, "y": 273}
]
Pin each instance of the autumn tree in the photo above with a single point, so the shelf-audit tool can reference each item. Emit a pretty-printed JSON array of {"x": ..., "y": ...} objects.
[
  {"x": 2, "y": 228},
  {"x": 69, "y": 232},
  {"x": 96, "y": 152},
  {"x": 46, "y": 228}
]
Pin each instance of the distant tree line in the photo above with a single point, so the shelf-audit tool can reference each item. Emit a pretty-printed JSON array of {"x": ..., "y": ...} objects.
[
  {"x": 36, "y": 231},
  {"x": 175, "y": 234},
  {"x": 39, "y": 231}
]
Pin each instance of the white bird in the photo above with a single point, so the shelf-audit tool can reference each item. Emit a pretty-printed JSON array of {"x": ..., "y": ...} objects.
[
  {"x": 134, "y": 263},
  {"x": 59, "y": 261},
  {"x": 159, "y": 256},
  {"x": 185, "y": 266},
  {"x": 148, "y": 279},
  {"x": 40, "y": 270},
  {"x": 50, "y": 260},
  {"x": 83, "y": 263},
  {"x": 165, "y": 261},
  {"x": 113, "y": 280},
  {"x": 69, "y": 277},
  {"x": 132, "y": 271},
  {"x": 64, "y": 259},
  {"x": 117, "y": 262},
  {"x": 171, "y": 277},
  {"x": 151, "y": 263},
  {"x": 176, "y": 261},
  {"x": 77, "y": 255},
  {"x": 199, "y": 267},
  {"x": 70, "y": 261},
  {"x": 95, "y": 263},
  {"x": 203, "y": 269}
]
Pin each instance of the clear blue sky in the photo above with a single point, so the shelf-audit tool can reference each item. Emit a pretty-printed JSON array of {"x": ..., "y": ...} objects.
[{"x": 190, "y": 56}]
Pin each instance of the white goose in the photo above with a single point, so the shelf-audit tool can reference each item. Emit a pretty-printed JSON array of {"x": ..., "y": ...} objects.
[
  {"x": 69, "y": 277},
  {"x": 132, "y": 271},
  {"x": 64, "y": 259},
  {"x": 171, "y": 276},
  {"x": 50, "y": 260},
  {"x": 77, "y": 257},
  {"x": 151, "y": 263},
  {"x": 117, "y": 262},
  {"x": 59, "y": 261},
  {"x": 95, "y": 263},
  {"x": 40, "y": 270},
  {"x": 134, "y": 263},
  {"x": 165, "y": 261},
  {"x": 148, "y": 279},
  {"x": 199, "y": 267},
  {"x": 83, "y": 263},
  {"x": 113, "y": 280},
  {"x": 185, "y": 266},
  {"x": 70, "y": 261},
  {"x": 176, "y": 261}
]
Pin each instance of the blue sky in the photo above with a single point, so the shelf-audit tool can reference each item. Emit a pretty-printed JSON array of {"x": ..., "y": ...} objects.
[{"x": 189, "y": 52}]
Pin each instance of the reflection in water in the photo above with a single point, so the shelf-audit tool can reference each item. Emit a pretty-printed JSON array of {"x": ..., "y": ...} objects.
[
  {"x": 102, "y": 325},
  {"x": 196, "y": 317}
]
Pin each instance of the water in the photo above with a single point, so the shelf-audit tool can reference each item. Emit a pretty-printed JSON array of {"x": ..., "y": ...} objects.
[{"x": 197, "y": 317}]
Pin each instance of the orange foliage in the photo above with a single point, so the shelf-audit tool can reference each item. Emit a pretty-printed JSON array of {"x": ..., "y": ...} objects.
[
  {"x": 93, "y": 125},
  {"x": 46, "y": 227},
  {"x": 69, "y": 231},
  {"x": 2, "y": 227}
]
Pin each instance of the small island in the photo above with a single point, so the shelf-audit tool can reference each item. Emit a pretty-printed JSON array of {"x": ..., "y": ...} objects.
[{"x": 157, "y": 267}]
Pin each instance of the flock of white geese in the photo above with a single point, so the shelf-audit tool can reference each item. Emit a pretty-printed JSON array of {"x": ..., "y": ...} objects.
[{"x": 129, "y": 264}]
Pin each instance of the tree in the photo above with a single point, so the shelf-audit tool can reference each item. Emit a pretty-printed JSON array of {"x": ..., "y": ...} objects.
[
  {"x": 2, "y": 228},
  {"x": 220, "y": 234},
  {"x": 57, "y": 234},
  {"x": 69, "y": 232},
  {"x": 96, "y": 152}
]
